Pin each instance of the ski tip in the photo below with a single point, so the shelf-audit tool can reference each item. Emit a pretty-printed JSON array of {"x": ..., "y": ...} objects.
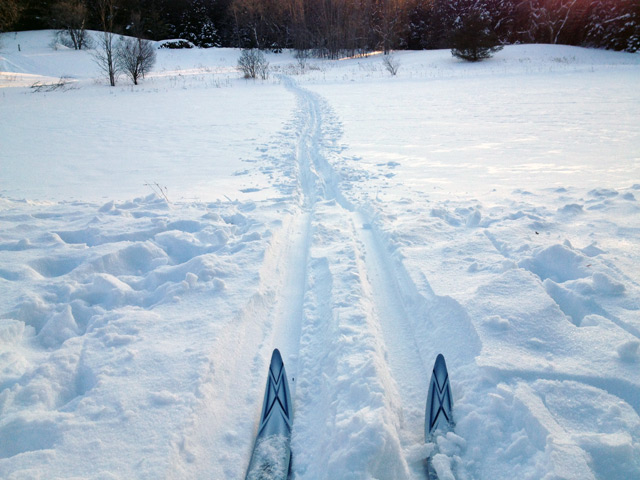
[
  {"x": 276, "y": 358},
  {"x": 440, "y": 371},
  {"x": 439, "y": 411}
]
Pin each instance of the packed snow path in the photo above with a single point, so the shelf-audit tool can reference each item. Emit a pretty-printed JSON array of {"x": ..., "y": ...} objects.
[
  {"x": 353, "y": 307},
  {"x": 331, "y": 299}
]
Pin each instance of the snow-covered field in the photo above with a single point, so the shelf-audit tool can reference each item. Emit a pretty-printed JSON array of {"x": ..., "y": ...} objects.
[{"x": 361, "y": 223}]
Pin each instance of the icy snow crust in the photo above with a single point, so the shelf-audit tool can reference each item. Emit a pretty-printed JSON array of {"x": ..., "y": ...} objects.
[{"x": 360, "y": 223}]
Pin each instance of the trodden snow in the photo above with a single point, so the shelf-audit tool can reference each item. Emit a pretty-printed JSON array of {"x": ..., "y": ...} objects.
[{"x": 158, "y": 242}]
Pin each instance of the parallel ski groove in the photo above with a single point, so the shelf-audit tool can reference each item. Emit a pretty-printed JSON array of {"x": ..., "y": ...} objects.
[{"x": 405, "y": 365}]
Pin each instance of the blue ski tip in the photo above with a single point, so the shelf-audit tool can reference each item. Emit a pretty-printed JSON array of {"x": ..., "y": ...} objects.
[
  {"x": 276, "y": 357},
  {"x": 271, "y": 455},
  {"x": 439, "y": 410},
  {"x": 276, "y": 408}
]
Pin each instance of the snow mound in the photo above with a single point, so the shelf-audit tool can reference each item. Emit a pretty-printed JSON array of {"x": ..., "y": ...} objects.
[
  {"x": 557, "y": 262},
  {"x": 75, "y": 336}
]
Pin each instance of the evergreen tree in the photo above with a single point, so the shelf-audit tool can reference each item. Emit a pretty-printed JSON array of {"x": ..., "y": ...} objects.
[
  {"x": 429, "y": 24},
  {"x": 503, "y": 19},
  {"x": 472, "y": 38},
  {"x": 614, "y": 24},
  {"x": 208, "y": 34},
  {"x": 197, "y": 27},
  {"x": 334, "y": 27},
  {"x": 418, "y": 26}
]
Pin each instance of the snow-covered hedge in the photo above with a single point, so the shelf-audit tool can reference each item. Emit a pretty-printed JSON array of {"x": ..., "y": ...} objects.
[{"x": 175, "y": 44}]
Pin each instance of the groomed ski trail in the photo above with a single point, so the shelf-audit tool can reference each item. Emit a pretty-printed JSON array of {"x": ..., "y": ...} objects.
[
  {"x": 363, "y": 373},
  {"x": 350, "y": 325},
  {"x": 271, "y": 318}
]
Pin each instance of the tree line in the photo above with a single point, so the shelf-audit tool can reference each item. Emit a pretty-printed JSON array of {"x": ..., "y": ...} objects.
[{"x": 333, "y": 27}]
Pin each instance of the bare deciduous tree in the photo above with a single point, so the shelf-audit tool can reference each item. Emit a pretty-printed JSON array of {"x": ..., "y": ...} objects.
[
  {"x": 104, "y": 54},
  {"x": 135, "y": 57},
  {"x": 391, "y": 63},
  {"x": 71, "y": 16},
  {"x": 387, "y": 20},
  {"x": 549, "y": 18}
]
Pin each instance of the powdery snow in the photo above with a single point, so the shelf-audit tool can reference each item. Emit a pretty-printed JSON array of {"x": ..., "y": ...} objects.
[{"x": 360, "y": 223}]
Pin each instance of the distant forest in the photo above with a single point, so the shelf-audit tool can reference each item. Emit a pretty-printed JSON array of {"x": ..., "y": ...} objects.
[{"x": 332, "y": 27}]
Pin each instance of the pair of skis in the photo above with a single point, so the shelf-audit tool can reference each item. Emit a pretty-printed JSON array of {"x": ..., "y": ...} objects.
[{"x": 271, "y": 455}]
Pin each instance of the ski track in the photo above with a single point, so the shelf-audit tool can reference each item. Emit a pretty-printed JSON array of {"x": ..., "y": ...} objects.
[
  {"x": 270, "y": 319},
  {"x": 363, "y": 390},
  {"x": 354, "y": 303},
  {"x": 330, "y": 298},
  {"x": 363, "y": 334}
]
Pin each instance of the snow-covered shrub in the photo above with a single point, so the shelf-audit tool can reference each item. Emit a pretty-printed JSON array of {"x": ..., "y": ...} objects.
[
  {"x": 70, "y": 16},
  {"x": 176, "y": 44},
  {"x": 252, "y": 64},
  {"x": 302, "y": 55},
  {"x": 77, "y": 40},
  {"x": 391, "y": 63}
]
